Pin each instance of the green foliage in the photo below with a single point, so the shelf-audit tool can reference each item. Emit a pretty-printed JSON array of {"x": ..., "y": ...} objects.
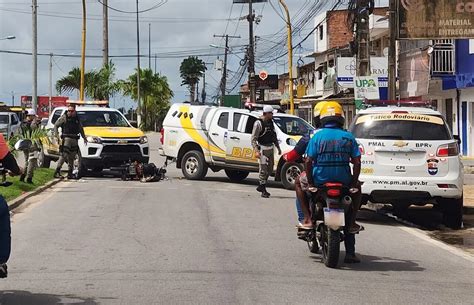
[
  {"x": 41, "y": 177},
  {"x": 191, "y": 70},
  {"x": 155, "y": 95},
  {"x": 99, "y": 85},
  {"x": 37, "y": 136}
]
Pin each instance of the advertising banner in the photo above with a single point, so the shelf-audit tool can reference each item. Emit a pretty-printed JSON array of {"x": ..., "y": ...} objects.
[
  {"x": 346, "y": 71},
  {"x": 414, "y": 73},
  {"x": 366, "y": 87},
  {"x": 435, "y": 19}
]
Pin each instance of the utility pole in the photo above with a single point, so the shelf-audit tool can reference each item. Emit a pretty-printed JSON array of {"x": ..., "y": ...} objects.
[
  {"x": 34, "y": 98},
  {"x": 290, "y": 57},
  {"x": 83, "y": 52},
  {"x": 105, "y": 35},
  {"x": 224, "y": 71},
  {"x": 203, "y": 94},
  {"x": 392, "y": 52},
  {"x": 50, "y": 83},
  {"x": 13, "y": 98},
  {"x": 149, "y": 46},
  {"x": 156, "y": 58},
  {"x": 251, "y": 55},
  {"x": 363, "y": 38},
  {"x": 139, "y": 108}
]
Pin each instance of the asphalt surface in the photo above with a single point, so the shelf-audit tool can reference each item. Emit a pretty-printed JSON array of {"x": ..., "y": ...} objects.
[{"x": 105, "y": 241}]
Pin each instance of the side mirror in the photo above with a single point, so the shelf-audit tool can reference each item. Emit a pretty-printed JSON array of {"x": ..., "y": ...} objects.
[
  {"x": 457, "y": 138},
  {"x": 134, "y": 124}
]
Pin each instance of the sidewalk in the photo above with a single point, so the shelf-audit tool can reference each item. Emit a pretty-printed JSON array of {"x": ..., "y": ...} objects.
[{"x": 469, "y": 196}]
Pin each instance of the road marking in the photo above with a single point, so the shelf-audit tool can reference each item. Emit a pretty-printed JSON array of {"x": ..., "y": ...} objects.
[{"x": 453, "y": 250}]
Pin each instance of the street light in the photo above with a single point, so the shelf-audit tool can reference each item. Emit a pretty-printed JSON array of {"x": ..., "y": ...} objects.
[{"x": 10, "y": 37}]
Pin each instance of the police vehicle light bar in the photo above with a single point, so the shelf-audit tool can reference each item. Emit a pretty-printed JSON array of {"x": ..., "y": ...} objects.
[
  {"x": 88, "y": 103},
  {"x": 398, "y": 103}
]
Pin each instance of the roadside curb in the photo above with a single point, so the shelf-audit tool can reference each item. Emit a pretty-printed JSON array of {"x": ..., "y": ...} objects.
[
  {"x": 15, "y": 203},
  {"x": 468, "y": 210}
]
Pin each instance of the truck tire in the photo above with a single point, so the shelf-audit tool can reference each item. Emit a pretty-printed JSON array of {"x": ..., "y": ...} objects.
[
  {"x": 289, "y": 172},
  {"x": 236, "y": 175},
  {"x": 194, "y": 166},
  {"x": 452, "y": 210},
  {"x": 43, "y": 160}
]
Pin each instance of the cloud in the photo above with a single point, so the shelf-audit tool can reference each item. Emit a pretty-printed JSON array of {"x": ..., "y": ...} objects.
[{"x": 179, "y": 25}]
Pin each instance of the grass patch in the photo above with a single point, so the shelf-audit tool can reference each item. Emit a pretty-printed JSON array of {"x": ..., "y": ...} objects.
[{"x": 40, "y": 178}]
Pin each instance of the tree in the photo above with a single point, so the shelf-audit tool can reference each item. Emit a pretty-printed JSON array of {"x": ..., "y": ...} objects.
[
  {"x": 191, "y": 70},
  {"x": 155, "y": 95},
  {"x": 99, "y": 85}
]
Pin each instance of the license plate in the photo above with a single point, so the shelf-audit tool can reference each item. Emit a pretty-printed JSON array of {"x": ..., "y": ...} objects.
[{"x": 334, "y": 217}]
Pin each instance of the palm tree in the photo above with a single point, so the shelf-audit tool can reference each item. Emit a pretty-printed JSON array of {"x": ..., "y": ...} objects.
[
  {"x": 191, "y": 70},
  {"x": 99, "y": 85},
  {"x": 155, "y": 94}
]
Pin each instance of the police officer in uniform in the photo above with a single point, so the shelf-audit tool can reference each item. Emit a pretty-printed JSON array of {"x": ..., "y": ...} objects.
[
  {"x": 31, "y": 155},
  {"x": 264, "y": 141},
  {"x": 71, "y": 132}
]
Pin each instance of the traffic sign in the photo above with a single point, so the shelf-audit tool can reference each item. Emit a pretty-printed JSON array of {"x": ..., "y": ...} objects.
[{"x": 263, "y": 75}]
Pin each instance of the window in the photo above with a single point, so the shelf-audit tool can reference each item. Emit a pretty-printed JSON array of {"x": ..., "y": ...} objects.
[
  {"x": 237, "y": 117},
  {"x": 449, "y": 113},
  {"x": 15, "y": 119},
  {"x": 321, "y": 32},
  {"x": 249, "y": 124},
  {"x": 293, "y": 126},
  {"x": 4, "y": 119},
  {"x": 102, "y": 119},
  {"x": 56, "y": 116},
  {"x": 401, "y": 130},
  {"x": 224, "y": 120}
]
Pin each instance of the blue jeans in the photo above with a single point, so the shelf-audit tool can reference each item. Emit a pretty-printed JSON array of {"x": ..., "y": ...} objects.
[
  {"x": 299, "y": 211},
  {"x": 5, "y": 231}
]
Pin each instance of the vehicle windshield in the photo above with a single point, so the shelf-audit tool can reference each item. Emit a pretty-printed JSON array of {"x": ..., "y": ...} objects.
[
  {"x": 102, "y": 119},
  {"x": 408, "y": 127},
  {"x": 4, "y": 119},
  {"x": 293, "y": 126}
]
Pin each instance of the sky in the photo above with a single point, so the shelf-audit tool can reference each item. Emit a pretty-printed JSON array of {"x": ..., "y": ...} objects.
[{"x": 178, "y": 28}]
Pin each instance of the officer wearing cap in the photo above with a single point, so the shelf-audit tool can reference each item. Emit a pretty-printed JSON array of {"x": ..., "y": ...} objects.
[{"x": 264, "y": 141}]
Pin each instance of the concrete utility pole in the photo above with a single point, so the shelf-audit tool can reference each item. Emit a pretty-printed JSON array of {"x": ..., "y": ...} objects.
[
  {"x": 105, "y": 31},
  {"x": 224, "y": 71},
  {"x": 251, "y": 55},
  {"x": 149, "y": 46},
  {"x": 392, "y": 52},
  {"x": 363, "y": 38},
  {"x": 290, "y": 57},
  {"x": 13, "y": 98},
  {"x": 34, "y": 98},
  {"x": 50, "y": 95},
  {"x": 139, "y": 108}
]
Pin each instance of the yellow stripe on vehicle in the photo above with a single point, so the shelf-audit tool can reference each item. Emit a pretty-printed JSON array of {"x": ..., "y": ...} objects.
[{"x": 194, "y": 134}]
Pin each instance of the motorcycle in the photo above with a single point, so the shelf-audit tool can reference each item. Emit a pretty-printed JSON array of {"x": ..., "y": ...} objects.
[{"x": 330, "y": 206}]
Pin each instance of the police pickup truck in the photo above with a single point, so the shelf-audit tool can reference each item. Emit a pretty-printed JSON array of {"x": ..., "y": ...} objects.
[
  {"x": 409, "y": 156},
  {"x": 111, "y": 139},
  {"x": 218, "y": 138}
]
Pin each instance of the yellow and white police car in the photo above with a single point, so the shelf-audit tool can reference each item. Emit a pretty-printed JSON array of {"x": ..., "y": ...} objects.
[
  {"x": 111, "y": 139},
  {"x": 219, "y": 138},
  {"x": 409, "y": 156}
]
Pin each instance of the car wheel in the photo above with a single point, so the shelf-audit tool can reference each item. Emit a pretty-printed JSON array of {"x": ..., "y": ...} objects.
[
  {"x": 236, "y": 176},
  {"x": 194, "y": 166},
  {"x": 289, "y": 173},
  {"x": 43, "y": 160},
  {"x": 452, "y": 210}
]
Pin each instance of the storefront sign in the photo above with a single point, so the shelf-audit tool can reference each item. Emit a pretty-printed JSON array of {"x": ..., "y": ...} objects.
[
  {"x": 346, "y": 71},
  {"x": 436, "y": 19}
]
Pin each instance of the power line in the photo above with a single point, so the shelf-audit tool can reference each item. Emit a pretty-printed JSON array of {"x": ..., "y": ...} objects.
[{"x": 160, "y": 3}]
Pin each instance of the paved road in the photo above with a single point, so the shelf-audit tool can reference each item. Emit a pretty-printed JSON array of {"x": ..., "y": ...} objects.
[{"x": 104, "y": 241}]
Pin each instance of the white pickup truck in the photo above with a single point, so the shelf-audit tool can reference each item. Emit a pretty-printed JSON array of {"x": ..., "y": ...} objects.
[{"x": 203, "y": 137}]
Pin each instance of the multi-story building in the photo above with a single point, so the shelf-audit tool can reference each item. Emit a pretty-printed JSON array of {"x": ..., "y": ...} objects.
[{"x": 442, "y": 71}]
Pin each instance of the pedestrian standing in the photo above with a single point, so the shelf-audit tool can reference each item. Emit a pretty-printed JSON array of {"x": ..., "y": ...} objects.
[
  {"x": 71, "y": 132},
  {"x": 264, "y": 142},
  {"x": 31, "y": 155}
]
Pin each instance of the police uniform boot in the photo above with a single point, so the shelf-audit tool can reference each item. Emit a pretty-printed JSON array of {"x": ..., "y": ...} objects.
[
  {"x": 70, "y": 175},
  {"x": 261, "y": 188},
  {"x": 22, "y": 178},
  {"x": 265, "y": 194},
  {"x": 57, "y": 174},
  {"x": 29, "y": 180}
]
